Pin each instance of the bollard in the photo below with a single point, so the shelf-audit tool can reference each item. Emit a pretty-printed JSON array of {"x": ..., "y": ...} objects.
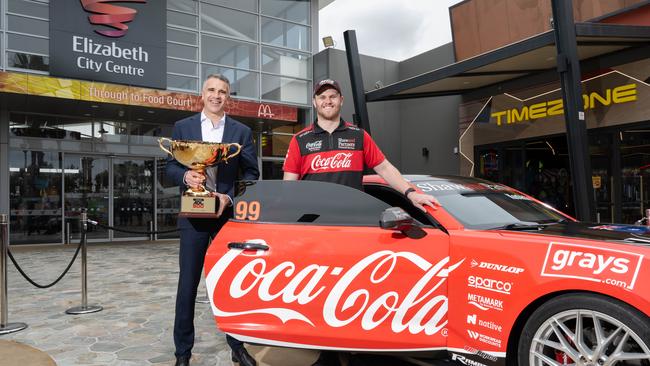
[
  {"x": 68, "y": 234},
  {"x": 151, "y": 231},
  {"x": 84, "y": 308},
  {"x": 5, "y": 326}
]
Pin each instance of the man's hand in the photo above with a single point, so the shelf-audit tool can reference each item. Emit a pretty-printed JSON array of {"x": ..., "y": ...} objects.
[
  {"x": 193, "y": 179},
  {"x": 420, "y": 200},
  {"x": 224, "y": 201}
]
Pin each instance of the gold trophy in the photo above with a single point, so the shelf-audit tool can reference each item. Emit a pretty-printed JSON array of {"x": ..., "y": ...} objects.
[{"x": 198, "y": 155}]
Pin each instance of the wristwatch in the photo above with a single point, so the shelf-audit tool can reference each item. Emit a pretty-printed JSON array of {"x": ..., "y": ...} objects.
[{"x": 408, "y": 190}]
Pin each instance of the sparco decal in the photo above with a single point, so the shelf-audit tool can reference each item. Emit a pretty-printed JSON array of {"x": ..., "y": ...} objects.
[
  {"x": 338, "y": 161},
  {"x": 420, "y": 309},
  {"x": 489, "y": 284},
  {"x": 465, "y": 361},
  {"x": 597, "y": 264},
  {"x": 484, "y": 302},
  {"x": 496, "y": 267}
]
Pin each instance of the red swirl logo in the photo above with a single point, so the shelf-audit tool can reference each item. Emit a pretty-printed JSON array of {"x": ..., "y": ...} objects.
[{"x": 113, "y": 16}]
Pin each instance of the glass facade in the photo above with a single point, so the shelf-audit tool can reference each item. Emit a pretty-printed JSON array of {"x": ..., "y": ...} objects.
[
  {"x": 263, "y": 47},
  {"x": 66, "y": 156}
]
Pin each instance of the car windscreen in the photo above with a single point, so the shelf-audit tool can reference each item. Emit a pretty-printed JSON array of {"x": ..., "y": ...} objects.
[{"x": 488, "y": 206}]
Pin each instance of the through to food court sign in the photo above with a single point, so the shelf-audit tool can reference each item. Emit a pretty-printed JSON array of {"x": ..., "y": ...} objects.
[{"x": 120, "y": 42}]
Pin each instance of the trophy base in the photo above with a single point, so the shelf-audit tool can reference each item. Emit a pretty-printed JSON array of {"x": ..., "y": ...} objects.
[{"x": 199, "y": 207}]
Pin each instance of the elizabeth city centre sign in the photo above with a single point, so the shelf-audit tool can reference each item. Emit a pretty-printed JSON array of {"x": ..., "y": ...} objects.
[{"x": 121, "y": 42}]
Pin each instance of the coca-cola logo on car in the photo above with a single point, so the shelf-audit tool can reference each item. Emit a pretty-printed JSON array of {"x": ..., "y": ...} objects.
[
  {"x": 597, "y": 264},
  {"x": 335, "y": 297},
  {"x": 335, "y": 162}
]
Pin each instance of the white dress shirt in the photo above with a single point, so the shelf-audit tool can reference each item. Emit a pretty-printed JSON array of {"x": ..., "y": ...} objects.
[{"x": 209, "y": 132}]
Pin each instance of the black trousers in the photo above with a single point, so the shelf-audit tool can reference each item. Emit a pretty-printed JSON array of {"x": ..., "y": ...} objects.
[{"x": 193, "y": 246}]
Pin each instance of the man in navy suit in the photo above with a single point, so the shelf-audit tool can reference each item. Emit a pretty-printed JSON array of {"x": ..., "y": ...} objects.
[{"x": 212, "y": 125}]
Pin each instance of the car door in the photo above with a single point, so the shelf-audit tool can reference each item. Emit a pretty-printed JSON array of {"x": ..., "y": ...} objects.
[{"x": 305, "y": 264}]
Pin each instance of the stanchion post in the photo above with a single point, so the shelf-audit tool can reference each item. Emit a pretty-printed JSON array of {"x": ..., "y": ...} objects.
[
  {"x": 84, "y": 308},
  {"x": 68, "y": 234},
  {"x": 5, "y": 326},
  {"x": 151, "y": 231}
]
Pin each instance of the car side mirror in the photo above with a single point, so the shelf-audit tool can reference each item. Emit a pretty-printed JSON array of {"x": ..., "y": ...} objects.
[{"x": 397, "y": 219}]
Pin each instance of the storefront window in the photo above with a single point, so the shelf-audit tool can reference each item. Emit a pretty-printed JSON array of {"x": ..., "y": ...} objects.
[
  {"x": 35, "y": 196},
  {"x": 168, "y": 202},
  {"x": 272, "y": 169},
  {"x": 87, "y": 182},
  {"x": 227, "y": 22},
  {"x": 26, "y": 61},
  {"x": 133, "y": 195},
  {"x": 49, "y": 127}
]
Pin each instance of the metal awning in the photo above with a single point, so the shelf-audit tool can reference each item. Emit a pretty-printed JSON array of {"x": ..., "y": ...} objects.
[{"x": 528, "y": 57}]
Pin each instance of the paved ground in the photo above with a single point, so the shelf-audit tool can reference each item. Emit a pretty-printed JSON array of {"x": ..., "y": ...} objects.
[{"x": 136, "y": 285}]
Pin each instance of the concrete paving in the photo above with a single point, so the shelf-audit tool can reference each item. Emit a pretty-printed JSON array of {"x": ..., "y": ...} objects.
[{"x": 135, "y": 282}]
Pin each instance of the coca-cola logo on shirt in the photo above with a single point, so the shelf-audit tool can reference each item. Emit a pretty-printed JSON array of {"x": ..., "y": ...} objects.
[
  {"x": 354, "y": 299},
  {"x": 337, "y": 161}
]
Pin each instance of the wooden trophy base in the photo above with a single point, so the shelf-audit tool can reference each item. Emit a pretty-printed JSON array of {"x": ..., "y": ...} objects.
[{"x": 199, "y": 207}]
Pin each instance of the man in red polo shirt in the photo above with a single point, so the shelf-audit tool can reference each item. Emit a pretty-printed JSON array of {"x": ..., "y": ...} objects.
[{"x": 331, "y": 150}]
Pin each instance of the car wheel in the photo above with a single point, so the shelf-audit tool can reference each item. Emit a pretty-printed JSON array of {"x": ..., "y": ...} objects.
[{"x": 585, "y": 330}]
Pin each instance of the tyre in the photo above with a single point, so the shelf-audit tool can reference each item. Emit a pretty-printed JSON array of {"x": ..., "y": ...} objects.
[{"x": 585, "y": 330}]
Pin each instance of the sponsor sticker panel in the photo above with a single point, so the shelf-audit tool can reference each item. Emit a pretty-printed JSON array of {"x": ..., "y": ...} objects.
[{"x": 590, "y": 263}]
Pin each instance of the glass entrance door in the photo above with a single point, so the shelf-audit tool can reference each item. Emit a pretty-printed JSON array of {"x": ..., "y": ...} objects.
[
  {"x": 132, "y": 195},
  {"x": 87, "y": 186},
  {"x": 635, "y": 164}
]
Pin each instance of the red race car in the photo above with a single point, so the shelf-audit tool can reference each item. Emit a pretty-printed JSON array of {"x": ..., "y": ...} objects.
[{"x": 492, "y": 276}]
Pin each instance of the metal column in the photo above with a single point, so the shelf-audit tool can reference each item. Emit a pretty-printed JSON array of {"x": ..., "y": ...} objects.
[
  {"x": 568, "y": 66},
  {"x": 356, "y": 79}
]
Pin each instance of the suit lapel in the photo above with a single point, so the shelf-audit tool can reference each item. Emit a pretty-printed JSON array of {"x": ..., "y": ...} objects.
[
  {"x": 196, "y": 128},
  {"x": 228, "y": 131}
]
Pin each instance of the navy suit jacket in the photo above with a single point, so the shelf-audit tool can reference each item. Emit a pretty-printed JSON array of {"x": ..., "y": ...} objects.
[{"x": 245, "y": 163}]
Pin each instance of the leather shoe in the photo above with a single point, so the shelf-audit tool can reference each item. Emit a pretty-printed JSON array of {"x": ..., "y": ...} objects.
[
  {"x": 242, "y": 357},
  {"x": 182, "y": 361}
]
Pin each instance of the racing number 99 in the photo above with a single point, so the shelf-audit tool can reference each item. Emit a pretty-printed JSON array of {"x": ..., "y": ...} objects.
[{"x": 245, "y": 210}]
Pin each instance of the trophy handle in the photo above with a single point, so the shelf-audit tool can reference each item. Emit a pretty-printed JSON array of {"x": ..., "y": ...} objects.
[
  {"x": 235, "y": 153},
  {"x": 160, "y": 142}
]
